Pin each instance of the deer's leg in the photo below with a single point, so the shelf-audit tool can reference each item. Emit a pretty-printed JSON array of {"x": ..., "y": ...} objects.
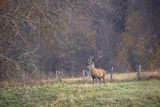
[
  {"x": 96, "y": 80},
  {"x": 99, "y": 80},
  {"x": 103, "y": 79},
  {"x": 93, "y": 80}
]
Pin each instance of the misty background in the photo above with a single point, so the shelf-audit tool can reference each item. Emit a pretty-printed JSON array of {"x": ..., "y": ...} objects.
[{"x": 48, "y": 35}]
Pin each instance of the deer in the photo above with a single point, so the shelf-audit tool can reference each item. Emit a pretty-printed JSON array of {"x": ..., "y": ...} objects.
[{"x": 96, "y": 73}]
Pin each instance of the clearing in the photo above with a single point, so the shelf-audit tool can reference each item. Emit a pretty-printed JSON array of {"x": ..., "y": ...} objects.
[{"x": 134, "y": 93}]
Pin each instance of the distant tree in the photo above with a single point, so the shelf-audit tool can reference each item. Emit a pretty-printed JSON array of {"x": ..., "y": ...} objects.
[{"x": 138, "y": 43}]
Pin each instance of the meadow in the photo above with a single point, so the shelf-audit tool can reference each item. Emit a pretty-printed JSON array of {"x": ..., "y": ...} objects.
[{"x": 135, "y": 93}]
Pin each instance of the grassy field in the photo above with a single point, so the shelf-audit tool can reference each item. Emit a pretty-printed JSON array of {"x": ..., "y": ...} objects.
[{"x": 145, "y": 93}]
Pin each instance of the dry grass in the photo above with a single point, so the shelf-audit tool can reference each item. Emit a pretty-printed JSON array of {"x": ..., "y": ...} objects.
[
  {"x": 120, "y": 77},
  {"x": 73, "y": 92},
  {"x": 73, "y": 79},
  {"x": 124, "y": 76},
  {"x": 133, "y": 75},
  {"x": 148, "y": 75},
  {"x": 116, "y": 77}
]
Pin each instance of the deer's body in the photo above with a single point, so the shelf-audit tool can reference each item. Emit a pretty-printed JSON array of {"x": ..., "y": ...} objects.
[{"x": 97, "y": 73}]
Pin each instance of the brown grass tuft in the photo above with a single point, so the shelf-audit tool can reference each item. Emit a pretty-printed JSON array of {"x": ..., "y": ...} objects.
[
  {"x": 116, "y": 77},
  {"x": 149, "y": 75}
]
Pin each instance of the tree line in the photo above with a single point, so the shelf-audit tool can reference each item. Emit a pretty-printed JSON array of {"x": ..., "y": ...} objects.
[{"x": 49, "y": 35}]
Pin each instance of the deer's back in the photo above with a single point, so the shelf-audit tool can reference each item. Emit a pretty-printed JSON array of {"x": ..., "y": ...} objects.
[{"x": 98, "y": 72}]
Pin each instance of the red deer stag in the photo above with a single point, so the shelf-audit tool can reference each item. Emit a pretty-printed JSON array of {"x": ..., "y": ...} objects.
[{"x": 96, "y": 73}]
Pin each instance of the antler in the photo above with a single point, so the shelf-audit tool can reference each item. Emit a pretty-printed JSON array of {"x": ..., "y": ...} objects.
[
  {"x": 100, "y": 55},
  {"x": 90, "y": 60}
]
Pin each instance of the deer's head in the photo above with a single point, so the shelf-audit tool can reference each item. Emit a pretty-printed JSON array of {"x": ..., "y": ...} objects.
[{"x": 91, "y": 62}]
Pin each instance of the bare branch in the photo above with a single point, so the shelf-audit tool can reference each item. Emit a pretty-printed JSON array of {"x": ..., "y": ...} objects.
[
  {"x": 3, "y": 58},
  {"x": 30, "y": 52}
]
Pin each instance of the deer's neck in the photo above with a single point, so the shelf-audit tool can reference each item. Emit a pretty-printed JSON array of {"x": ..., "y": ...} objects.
[{"x": 93, "y": 69}]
